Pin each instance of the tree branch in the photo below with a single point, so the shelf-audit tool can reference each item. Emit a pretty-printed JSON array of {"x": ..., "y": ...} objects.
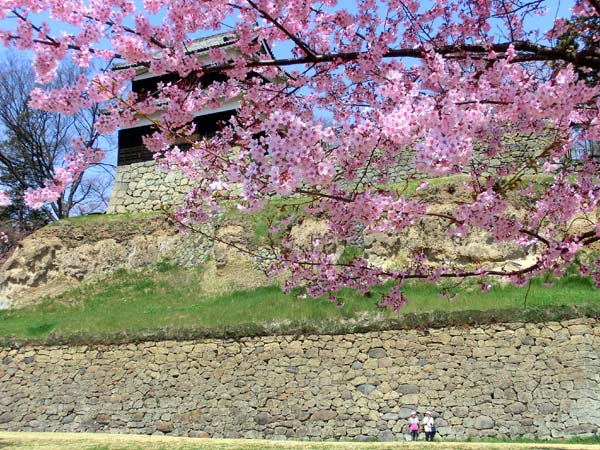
[{"x": 301, "y": 44}]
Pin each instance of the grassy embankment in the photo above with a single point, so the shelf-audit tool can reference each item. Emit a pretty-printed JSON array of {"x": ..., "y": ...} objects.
[{"x": 167, "y": 301}]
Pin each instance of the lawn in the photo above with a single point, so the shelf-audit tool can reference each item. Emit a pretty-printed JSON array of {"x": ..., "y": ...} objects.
[
  {"x": 84, "y": 441},
  {"x": 167, "y": 297}
]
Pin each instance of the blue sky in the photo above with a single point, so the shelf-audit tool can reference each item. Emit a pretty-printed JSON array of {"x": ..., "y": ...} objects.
[{"x": 556, "y": 8}]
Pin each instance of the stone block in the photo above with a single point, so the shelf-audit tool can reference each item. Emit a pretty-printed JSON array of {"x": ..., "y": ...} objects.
[
  {"x": 410, "y": 399},
  {"x": 460, "y": 411},
  {"x": 199, "y": 434},
  {"x": 356, "y": 365},
  {"x": 377, "y": 352},
  {"x": 366, "y": 388},
  {"x": 164, "y": 426},
  {"x": 483, "y": 352},
  {"x": 262, "y": 418},
  {"x": 386, "y": 436},
  {"x": 483, "y": 423},
  {"x": 323, "y": 415},
  {"x": 408, "y": 389}
]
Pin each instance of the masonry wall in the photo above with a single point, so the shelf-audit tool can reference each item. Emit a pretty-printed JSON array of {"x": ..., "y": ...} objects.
[
  {"x": 143, "y": 187},
  {"x": 534, "y": 380}
]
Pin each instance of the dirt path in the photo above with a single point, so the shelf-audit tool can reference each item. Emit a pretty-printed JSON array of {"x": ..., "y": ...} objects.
[{"x": 88, "y": 441}]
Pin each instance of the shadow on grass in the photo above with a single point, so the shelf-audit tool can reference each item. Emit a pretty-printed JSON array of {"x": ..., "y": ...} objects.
[{"x": 39, "y": 330}]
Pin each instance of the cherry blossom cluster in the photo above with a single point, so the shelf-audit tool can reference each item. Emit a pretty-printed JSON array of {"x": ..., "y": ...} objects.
[
  {"x": 448, "y": 86},
  {"x": 76, "y": 163},
  {"x": 4, "y": 199}
]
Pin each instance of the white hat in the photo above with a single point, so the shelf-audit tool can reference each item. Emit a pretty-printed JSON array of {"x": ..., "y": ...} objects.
[
  {"x": 414, "y": 413},
  {"x": 428, "y": 413}
]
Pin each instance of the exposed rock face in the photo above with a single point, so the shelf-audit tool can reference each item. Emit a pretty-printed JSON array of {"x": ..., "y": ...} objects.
[
  {"x": 389, "y": 251},
  {"x": 61, "y": 256},
  {"x": 480, "y": 381}
]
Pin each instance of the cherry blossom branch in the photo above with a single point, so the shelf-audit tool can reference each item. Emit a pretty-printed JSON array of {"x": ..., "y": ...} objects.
[
  {"x": 525, "y": 6},
  {"x": 529, "y": 233},
  {"x": 526, "y": 52},
  {"x": 305, "y": 48},
  {"x": 453, "y": 111},
  {"x": 127, "y": 29},
  {"x": 596, "y": 5},
  {"x": 314, "y": 193},
  {"x": 403, "y": 276},
  {"x": 53, "y": 43}
]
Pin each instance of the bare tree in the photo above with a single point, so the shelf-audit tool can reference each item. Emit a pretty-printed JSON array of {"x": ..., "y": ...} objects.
[{"x": 34, "y": 143}]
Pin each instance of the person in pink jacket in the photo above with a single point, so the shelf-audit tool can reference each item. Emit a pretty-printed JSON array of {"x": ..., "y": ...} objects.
[{"x": 413, "y": 426}]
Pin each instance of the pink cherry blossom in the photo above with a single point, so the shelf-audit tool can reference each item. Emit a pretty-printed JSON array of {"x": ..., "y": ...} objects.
[
  {"x": 443, "y": 88},
  {"x": 4, "y": 199}
]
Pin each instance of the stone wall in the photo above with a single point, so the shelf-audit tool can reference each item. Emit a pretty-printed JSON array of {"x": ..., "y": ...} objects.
[
  {"x": 532, "y": 380},
  {"x": 144, "y": 187}
]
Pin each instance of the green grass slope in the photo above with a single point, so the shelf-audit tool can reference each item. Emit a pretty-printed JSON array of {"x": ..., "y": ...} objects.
[{"x": 167, "y": 301}]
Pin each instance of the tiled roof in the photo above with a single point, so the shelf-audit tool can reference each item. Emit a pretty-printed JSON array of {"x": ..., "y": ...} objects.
[
  {"x": 198, "y": 45},
  {"x": 208, "y": 42}
]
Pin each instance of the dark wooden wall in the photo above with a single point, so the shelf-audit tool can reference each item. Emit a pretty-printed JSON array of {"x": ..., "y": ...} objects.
[{"x": 131, "y": 145}]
